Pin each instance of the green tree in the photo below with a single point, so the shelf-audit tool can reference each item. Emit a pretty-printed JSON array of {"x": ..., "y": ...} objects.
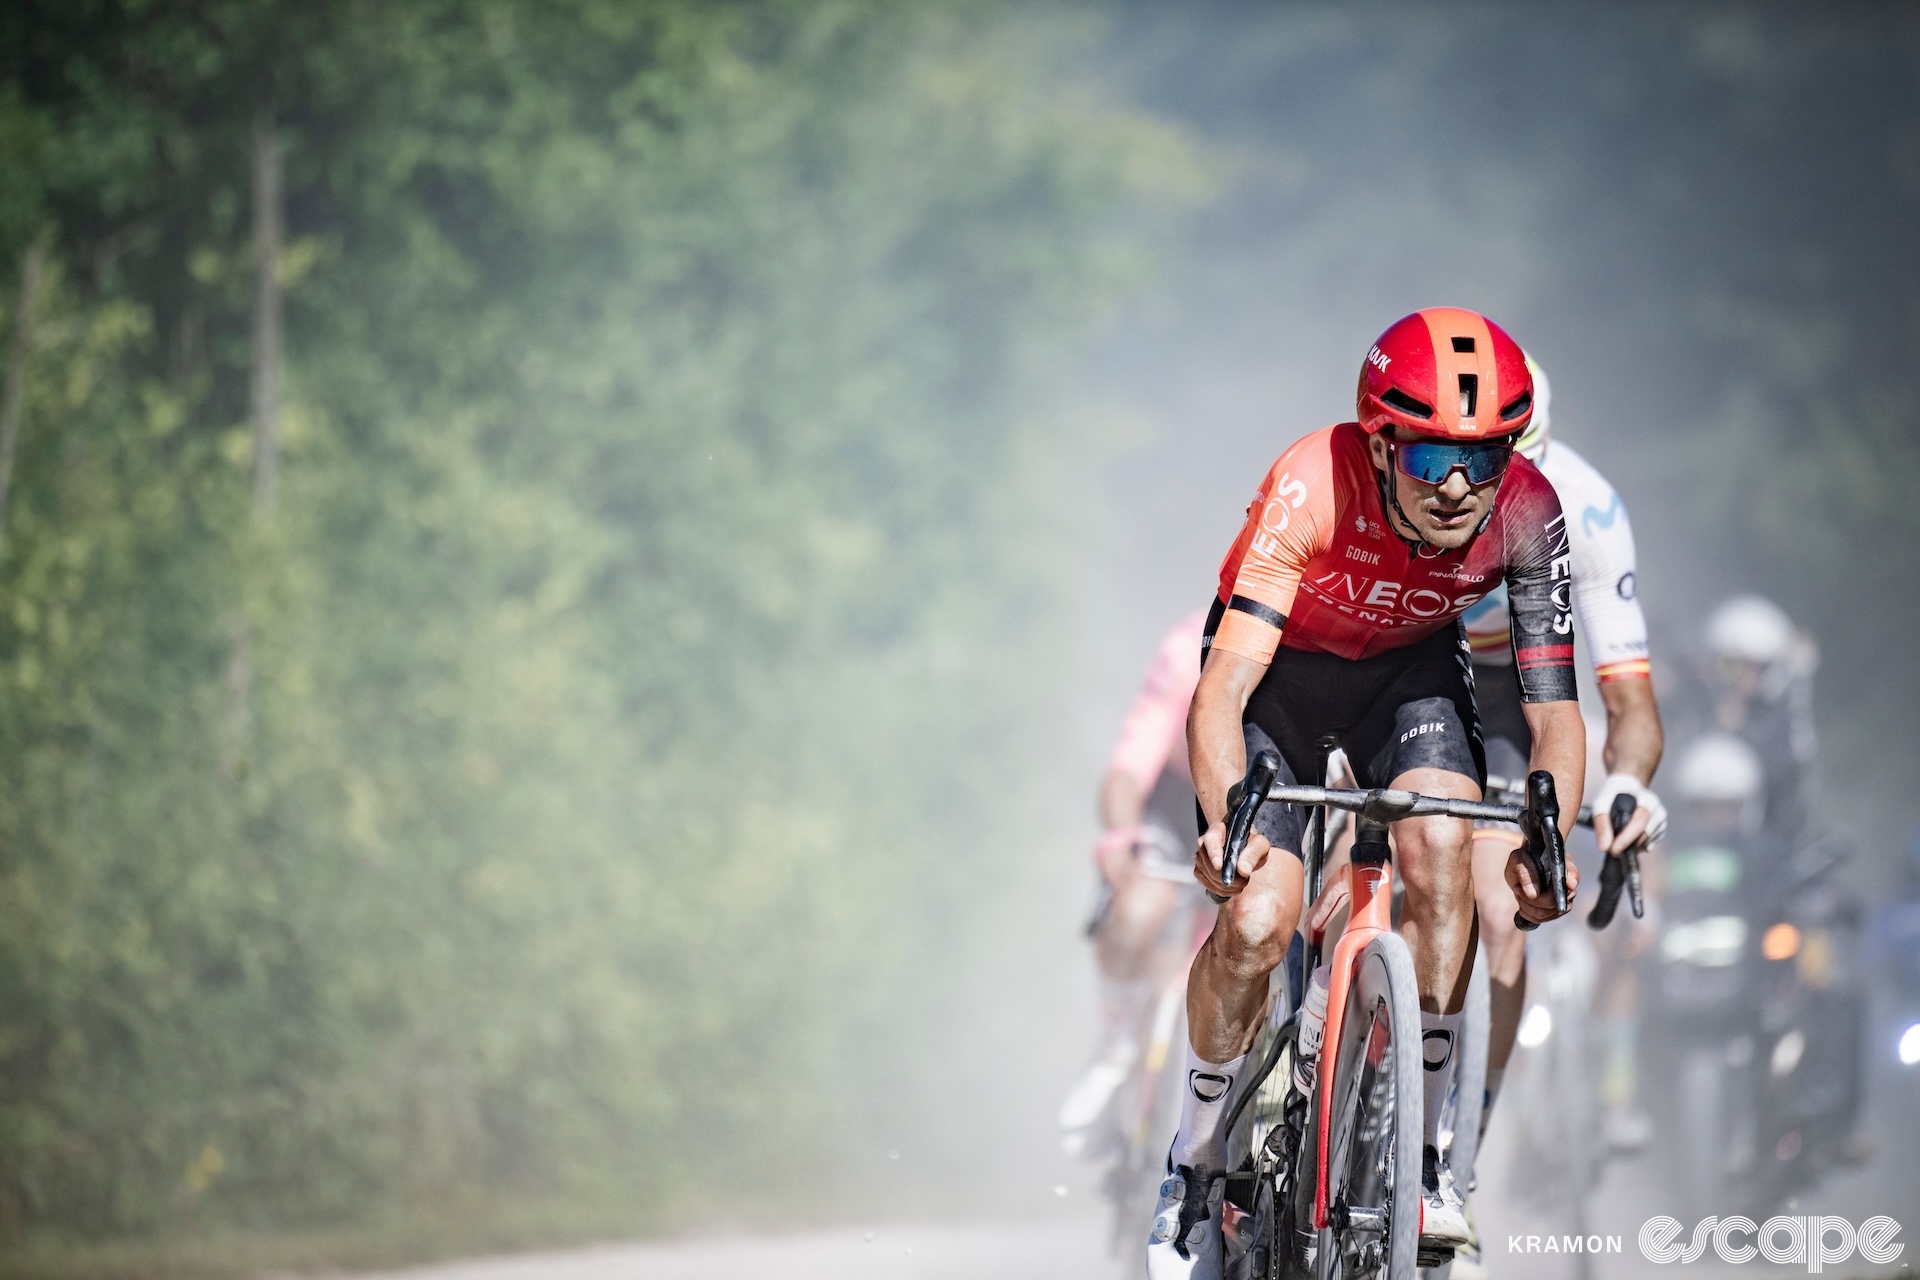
[{"x": 641, "y": 644}]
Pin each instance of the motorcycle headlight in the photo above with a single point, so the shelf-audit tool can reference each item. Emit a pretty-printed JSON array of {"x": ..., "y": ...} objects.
[{"x": 1713, "y": 943}]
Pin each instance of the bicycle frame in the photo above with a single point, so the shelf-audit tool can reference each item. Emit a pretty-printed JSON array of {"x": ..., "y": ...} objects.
[
  {"x": 1369, "y": 916},
  {"x": 1370, "y": 884},
  {"x": 1370, "y": 889}
]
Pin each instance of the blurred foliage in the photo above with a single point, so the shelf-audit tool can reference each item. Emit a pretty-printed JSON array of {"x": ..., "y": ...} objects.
[{"x": 642, "y": 645}]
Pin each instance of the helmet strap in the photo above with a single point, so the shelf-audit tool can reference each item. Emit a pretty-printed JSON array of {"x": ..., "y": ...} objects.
[{"x": 1391, "y": 500}]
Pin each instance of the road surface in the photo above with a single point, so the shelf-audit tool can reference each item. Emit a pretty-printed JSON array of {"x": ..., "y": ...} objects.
[{"x": 1066, "y": 1246}]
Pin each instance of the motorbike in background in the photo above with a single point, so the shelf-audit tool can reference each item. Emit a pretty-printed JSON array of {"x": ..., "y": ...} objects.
[{"x": 1755, "y": 1022}]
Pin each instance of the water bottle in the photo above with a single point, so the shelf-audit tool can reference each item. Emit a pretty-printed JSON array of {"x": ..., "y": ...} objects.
[{"x": 1313, "y": 1022}]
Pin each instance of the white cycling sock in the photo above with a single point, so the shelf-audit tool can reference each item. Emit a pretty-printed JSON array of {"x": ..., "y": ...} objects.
[
  {"x": 1438, "y": 1032},
  {"x": 1203, "y": 1110}
]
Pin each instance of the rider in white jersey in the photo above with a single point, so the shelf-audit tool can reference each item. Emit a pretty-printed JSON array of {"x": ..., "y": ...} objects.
[{"x": 1614, "y": 630}]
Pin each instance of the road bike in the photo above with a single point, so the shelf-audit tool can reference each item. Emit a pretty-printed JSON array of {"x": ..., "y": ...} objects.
[{"x": 1330, "y": 1184}]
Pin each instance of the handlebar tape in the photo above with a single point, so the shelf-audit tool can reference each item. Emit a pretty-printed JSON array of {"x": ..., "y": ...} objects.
[
  {"x": 1616, "y": 870},
  {"x": 1545, "y": 848},
  {"x": 1246, "y": 807}
]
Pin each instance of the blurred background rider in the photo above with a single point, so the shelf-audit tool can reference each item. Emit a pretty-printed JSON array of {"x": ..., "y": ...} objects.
[
  {"x": 1614, "y": 630},
  {"x": 1145, "y": 859},
  {"x": 1755, "y": 681}
]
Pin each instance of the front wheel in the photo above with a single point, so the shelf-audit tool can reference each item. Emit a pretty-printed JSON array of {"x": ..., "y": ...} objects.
[{"x": 1373, "y": 1152}]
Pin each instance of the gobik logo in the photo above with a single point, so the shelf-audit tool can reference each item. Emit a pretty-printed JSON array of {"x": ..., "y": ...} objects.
[{"x": 1818, "y": 1240}]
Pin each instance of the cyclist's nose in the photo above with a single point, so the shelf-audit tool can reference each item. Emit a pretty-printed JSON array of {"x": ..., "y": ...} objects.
[{"x": 1455, "y": 487}]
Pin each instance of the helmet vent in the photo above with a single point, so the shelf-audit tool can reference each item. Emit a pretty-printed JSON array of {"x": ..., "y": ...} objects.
[
  {"x": 1469, "y": 393},
  {"x": 1463, "y": 345},
  {"x": 1518, "y": 407},
  {"x": 1406, "y": 403}
]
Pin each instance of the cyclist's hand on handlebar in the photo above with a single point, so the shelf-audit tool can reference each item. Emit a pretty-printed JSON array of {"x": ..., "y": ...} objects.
[
  {"x": 1649, "y": 816},
  {"x": 1535, "y": 901},
  {"x": 1210, "y": 855}
]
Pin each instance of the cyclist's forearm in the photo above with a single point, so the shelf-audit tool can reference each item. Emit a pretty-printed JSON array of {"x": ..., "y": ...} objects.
[
  {"x": 1215, "y": 746},
  {"x": 1560, "y": 747},
  {"x": 1635, "y": 739},
  {"x": 1121, "y": 801}
]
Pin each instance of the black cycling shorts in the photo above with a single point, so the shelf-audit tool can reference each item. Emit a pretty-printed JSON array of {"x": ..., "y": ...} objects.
[{"x": 1409, "y": 708}]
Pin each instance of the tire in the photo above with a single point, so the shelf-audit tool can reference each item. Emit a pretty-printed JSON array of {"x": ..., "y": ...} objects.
[
  {"x": 1470, "y": 1076},
  {"x": 1373, "y": 1152}
]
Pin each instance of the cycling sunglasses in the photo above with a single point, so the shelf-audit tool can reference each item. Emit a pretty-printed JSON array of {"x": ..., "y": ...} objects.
[{"x": 1432, "y": 461}]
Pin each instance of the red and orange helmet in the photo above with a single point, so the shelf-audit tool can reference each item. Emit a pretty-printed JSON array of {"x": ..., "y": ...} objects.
[{"x": 1446, "y": 372}]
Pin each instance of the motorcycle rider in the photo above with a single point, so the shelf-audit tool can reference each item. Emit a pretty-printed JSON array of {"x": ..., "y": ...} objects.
[
  {"x": 1755, "y": 965},
  {"x": 1757, "y": 683}
]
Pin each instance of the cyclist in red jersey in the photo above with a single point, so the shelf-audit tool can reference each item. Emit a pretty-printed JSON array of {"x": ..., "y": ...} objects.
[{"x": 1337, "y": 622}]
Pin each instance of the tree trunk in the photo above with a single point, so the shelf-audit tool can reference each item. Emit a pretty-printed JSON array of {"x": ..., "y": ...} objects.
[
  {"x": 268, "y": 235},
  {"x": 13, "y": 401}
]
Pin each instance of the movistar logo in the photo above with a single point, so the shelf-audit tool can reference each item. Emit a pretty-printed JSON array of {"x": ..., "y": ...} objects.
[{"x": 1595, "y": 516}]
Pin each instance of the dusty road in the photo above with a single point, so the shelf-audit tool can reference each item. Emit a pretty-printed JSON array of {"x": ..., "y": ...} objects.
[
  {"x": 1064, "y": 1237},
  {"x": 1069, "y": 1246}
]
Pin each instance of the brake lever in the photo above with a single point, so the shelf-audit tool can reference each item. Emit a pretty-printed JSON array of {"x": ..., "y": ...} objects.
[
  {"x": 1244, "y": 800},
  {"x": 1618, "y": 871},
  {"x": 1546, "y": 848}
]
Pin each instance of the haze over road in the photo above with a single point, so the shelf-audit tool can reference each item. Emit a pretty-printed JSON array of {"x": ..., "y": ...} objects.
[{"x": 1068, "y": 1247}]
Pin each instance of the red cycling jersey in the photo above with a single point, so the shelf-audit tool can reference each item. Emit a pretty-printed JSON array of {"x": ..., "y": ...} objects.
[{"x": 1317, "y": 567}]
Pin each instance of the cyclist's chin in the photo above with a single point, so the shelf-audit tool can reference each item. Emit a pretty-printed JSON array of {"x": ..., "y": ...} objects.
[{"x": 1447, "y": 530}]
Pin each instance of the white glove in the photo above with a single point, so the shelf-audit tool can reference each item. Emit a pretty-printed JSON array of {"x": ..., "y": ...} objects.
[{"x": 1626, "y": 784}]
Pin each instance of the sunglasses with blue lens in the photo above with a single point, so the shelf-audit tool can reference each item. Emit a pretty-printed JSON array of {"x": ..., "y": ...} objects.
[{"x": 1432, "y": 461}]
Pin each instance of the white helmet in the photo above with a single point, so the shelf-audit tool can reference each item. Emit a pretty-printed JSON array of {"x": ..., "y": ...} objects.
[
  {"x": 1750, "y": 629},
  {"x": 1719, "y": 768},
  {"x": 1533, "y": 441}
]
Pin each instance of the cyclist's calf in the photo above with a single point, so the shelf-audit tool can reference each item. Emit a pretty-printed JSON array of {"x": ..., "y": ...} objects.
[{"x": 1227, "y": 992}]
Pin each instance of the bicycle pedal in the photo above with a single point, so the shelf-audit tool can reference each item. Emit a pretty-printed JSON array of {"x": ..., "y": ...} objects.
[{"x": 1432, "y": 1257}]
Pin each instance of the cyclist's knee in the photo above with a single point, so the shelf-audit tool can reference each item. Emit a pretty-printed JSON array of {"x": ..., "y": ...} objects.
[
  {"x": 1493, "y": 895},
  {"x": 1258, "y": 927},
  {"x": 1140, "y": 910},
  {"x": 1506, "y": 946},
  {"x": 1433, "y": 857}
]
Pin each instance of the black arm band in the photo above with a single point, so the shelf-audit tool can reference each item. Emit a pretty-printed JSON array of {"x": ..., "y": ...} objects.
[{"x": 1272, "y": 617}]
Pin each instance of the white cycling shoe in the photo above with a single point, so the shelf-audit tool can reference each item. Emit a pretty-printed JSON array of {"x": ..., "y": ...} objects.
[
  {"x": 1443, "y": 1214},
  {"x": 1184, "y": 1241},
  {"x": 1467, "y": 1262}
]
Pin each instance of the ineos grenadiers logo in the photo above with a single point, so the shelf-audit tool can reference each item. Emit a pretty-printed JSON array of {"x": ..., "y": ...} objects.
[{"x": 1817, "y": 1240}]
